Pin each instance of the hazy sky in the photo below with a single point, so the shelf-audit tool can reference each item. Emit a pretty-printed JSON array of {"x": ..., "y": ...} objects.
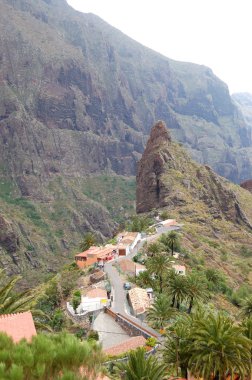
[{"x": 216, "y": 33}]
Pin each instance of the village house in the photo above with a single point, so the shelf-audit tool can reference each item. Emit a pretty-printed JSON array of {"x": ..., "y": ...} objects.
[
  {"x": 95, "y": 255},
  {"x": 95, "y": 299},
  {"x": 179, "y": 269},
  {"x": 127, "y": 241},
  {"x": 18, "y": 326},
  {"x": 139, "y": 300}
]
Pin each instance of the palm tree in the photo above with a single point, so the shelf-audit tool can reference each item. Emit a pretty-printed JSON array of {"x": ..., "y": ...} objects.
[
  {"x": 144, "y": 279},
  {"x": 13, "y": 302},
  {"x": 177, "y": 288},
  {"x": 246, "y": 310},
  {"x": 138, "y": 367},
  {"x": 176, "y": 354},
  {"x": 154, "y": 248},
  {"x": 160, "y": 312},
  {"x": 172, "y": 240},
  {"x": 88, "y": 241},
  {"x": 218, "y": 348},
  {"x": 158, "y": 265},
  {"x": 196, "y": 288}
]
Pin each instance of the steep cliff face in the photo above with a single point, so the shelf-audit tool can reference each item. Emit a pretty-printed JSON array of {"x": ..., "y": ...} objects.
[
  {"x": 77, "y": 98},
  {"x": 215, "y": 214},
  {"x": 167, "y": 177}
]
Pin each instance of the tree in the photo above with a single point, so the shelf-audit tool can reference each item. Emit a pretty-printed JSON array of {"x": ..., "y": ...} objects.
[
  {"x": 138, "y": 367},
  {"x": 76, "y": 300},
  {"x": 89, "y": 240},
  {"x": 246, "y": 310},
  {"x": 144, "y": 279},
  {"x": 60, "y": 356},
  {"x": 218, "y": 348},
  {"x": 154, "y": 248},
  {"x": 160, "y": 312},
  {"x": 196, "y": 289},
  {"x": 177, "y": 288},
  {"x": 172, "y": 240},
  {"x": 176, "y": 354},
  {"x": 158, "y": 265}
]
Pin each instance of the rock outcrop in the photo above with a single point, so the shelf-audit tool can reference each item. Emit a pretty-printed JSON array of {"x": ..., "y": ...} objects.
[
  {"x": 247, "y": 185},
  {"x": 167, "y": 177}
]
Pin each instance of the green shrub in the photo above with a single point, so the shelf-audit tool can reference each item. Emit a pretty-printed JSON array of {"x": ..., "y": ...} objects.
[
  {"x": 93, "y": 335},
  {"x": 151, "y": 342}
]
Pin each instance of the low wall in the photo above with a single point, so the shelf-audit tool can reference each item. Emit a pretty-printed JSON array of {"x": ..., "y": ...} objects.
[{"x": 131, "y": 327}]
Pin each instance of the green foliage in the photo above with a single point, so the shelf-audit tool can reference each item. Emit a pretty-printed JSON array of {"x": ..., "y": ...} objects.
[
  {"x": 139, "y": 367},
  {"x": 171, "y": 241},
  {"x": 164, "y": 215},
  {"x": 138, "y": 223},
  {"x": 58, "y": 319},
  {"x": 88, "y": 240},
  {"x": 239, "y": 296},
  {"x": 93, "y": 335},
  {"x": 49, "y": 357},
  {"x": 208, "y": 345},
  {"x": 216, "y": 281},
  {"x": 246, "y": 252},
  {"x": 76, "y": 299},
  {"x": 151, "y": 342},
  {"x": 160, "y": 312},
  {"x": 99, "y": 188}
]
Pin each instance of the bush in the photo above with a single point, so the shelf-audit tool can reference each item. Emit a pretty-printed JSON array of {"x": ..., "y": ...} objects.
[
  {"x": 239, "y": 295},
  {"x": 57, "y": 320},
  {"x": 151, "y": 342},
  {"x": 93, "y": 335}
]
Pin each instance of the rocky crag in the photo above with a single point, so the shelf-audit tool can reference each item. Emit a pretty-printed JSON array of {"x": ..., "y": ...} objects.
[
  {"x": 216, "y": 213},
  {"x": 77, "y": 98},
  {"x": 247, "y": 185}
]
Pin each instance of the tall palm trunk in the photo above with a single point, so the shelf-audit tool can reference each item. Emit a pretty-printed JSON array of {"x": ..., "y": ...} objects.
[{"x": 190, "y": 305}]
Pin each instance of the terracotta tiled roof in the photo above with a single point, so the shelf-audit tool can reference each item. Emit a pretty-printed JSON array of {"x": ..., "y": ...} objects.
[
  {"x": 128, "y": 237},
  {"x": 139, "y": 300},
  {"x": 97, "y": 292},
  {"x": 130, "y": 344},
  {"x": 18, "y": 326},
  {"x": 86, "y": 263}
]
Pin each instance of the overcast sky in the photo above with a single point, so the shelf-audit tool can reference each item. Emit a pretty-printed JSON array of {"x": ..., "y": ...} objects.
[{"x": 216, "y": 33}]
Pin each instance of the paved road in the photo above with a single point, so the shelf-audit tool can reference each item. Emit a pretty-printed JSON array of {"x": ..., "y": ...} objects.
[
  {"x": 119, "y": 304},
  {"x": 110, "y": 332}
]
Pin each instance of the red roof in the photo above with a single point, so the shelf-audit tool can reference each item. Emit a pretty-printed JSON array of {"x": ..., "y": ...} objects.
[
  {"x": 130, "y": 344},
  {"x": 18, "y": 326}
]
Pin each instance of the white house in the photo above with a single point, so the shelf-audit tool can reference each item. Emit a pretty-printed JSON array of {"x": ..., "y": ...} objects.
[
  {"x": 179, "y": 269},
  {"x": 127, "y": 241},
  {"x": 94, "y": 300}
]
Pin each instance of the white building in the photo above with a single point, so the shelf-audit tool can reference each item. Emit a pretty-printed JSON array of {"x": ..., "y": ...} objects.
[{"x": 94, "y": 300}]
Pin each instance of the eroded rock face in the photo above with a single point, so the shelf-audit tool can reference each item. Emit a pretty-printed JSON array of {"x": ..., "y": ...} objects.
[
  {"x": 150, "y": 189},
  {"x": 166, "y": 176},
  {"x": 8, "y": 238},
  {"x": 247, "y": 185}
]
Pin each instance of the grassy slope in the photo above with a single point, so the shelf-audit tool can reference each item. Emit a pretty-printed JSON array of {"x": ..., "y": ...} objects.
[{"x": 217, "y": 243}]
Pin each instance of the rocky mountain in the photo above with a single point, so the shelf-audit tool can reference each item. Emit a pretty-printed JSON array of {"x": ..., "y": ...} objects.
[
  {"x": 216, "y": 213},
  {"x": 244, "y": 102},
  {"x": 247, "y": 185},
  {"x": 77, "y": 98}
]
